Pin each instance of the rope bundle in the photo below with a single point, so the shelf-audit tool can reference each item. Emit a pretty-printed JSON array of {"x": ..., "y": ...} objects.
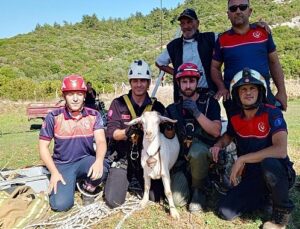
[{"x": 86, "y": 216}]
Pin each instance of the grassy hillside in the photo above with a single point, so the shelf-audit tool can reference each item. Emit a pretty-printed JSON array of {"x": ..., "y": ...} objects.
[{"x": 32, "y": 65}]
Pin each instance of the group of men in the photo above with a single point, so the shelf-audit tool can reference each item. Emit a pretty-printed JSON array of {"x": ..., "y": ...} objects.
[{"x": 262, "y": 171}]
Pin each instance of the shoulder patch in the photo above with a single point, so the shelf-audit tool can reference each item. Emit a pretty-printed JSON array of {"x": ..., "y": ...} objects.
[
  {"x": 278, "y": 122},
  {"x": 110, "y": 113}
]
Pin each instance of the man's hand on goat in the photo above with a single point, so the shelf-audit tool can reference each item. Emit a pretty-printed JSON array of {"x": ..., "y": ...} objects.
[
  {"x": 130, "y": 130},
  {"x": 191, "y": 106}
]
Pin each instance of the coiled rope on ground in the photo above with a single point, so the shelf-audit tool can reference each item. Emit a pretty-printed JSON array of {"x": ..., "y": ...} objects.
[{"x": 82, "y": 217}]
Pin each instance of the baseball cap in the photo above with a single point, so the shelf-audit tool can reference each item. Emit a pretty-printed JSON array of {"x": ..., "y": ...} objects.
[{"x": 190, "y": 13}]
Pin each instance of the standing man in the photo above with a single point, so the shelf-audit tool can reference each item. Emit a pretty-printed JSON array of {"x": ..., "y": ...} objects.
[
  {"x": 263, "y": 167},
  {"x": 90, "y": 98},
  {"x": 191, "y": 47},
  {"x": 246, "y": 45},
  {"x": 126, "y": 173},
  {"x": 198, "y": 126},
  {"x": 73, "y": 128}
]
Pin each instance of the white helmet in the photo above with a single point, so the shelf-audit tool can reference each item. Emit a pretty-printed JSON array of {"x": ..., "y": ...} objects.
[
  {"x": 245, "y": 77},
  {"x": 139, "y": 69}
]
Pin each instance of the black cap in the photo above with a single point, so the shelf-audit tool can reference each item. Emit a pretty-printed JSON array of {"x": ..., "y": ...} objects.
[{"x": 190, "y": 13}]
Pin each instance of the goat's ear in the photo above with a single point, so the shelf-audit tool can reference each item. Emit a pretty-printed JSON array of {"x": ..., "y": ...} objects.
[
  {"x": 166, "y": 119},
  {"x": 133, "y": 121}
]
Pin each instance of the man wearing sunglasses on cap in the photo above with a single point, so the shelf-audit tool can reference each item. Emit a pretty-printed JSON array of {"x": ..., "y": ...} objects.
[{"x": 243, "y": 45}]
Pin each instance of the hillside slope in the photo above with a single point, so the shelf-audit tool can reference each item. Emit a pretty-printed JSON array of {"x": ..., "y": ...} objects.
[{"x": 32, "y": 65}]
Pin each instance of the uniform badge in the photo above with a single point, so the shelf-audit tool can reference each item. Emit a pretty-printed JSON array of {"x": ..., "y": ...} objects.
[
  {"x": 110, "y": 113},
  {"x": 257, "y": 34},
  {"x": 262, "y": 127},
  {"x": 86, "y": 124},
  {"x": 124, "y": 116},
  {"x": 278, "y": 122}
]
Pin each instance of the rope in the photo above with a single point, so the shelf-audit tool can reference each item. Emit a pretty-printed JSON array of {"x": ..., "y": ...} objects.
[
  {"x": 82, "y": 217},
  {"x": 119, "y": 226}
]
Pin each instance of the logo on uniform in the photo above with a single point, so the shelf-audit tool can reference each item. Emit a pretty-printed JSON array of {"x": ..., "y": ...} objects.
[
  {"x": 278, "y": 122},
  {"x": 124, "y": 116},
  {"x": 262, "y": 127},
  {"x": 86, "y": 124},
  {"x": 110, "y": 113},
  {"x": 257, "y": 34}
]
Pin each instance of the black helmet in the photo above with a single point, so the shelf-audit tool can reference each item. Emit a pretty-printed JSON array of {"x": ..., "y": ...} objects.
[{"x": 244, "y": 77}]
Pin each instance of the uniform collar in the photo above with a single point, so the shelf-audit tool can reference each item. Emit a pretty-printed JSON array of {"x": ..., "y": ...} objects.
[
  {"x": 258, "y": 112},
  {"x": 188, "y": 40},
  {"x": 145, "y": 103},
  {"x": 67, "y": 114},
  {"x": 232, "y": 32}
]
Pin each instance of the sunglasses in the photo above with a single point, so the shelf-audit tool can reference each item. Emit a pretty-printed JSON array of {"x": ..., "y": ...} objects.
[{"x": 234, "y": 8}]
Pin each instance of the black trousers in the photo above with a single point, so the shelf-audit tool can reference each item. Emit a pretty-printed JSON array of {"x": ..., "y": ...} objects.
[
  {"x": 119, "y": 180},
  {"x": 270, "y": 177}
]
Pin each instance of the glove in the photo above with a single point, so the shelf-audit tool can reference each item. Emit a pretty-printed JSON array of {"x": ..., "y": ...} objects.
[
  {"x": 191, "y": 106},
  {"x": 130, "y": 130}
]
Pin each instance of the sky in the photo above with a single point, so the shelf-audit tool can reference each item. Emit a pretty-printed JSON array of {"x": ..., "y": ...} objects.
[{"x": 22, "y": 16}]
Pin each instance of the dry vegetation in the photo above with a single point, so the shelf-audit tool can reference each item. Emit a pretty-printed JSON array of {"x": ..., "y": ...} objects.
[{"x": 165, "y": 94}]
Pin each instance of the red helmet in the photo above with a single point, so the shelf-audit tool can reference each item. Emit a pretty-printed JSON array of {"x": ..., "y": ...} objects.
[
  {"x": 73, "y": 83},
  {"x": 188, "y": 70}
]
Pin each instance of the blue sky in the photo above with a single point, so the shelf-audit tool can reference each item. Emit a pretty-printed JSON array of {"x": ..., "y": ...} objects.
[{"x": 21, "y": 16}]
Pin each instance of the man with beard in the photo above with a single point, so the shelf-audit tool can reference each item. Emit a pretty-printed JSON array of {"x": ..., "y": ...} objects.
[
  {"x": 198, "y": 126},
  {"x": 74, "y": 128},
  {"x": 263, "y": 169},
  {"x": 126, "y": 172},
  {"x": 192, "y": 47},
  {"x": 246, "y": 45}
]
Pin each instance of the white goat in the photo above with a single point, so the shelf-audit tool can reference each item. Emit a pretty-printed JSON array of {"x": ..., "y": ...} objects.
[{"x": 159, "y": 154}]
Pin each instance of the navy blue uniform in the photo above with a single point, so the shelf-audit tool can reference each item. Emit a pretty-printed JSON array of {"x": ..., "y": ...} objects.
[
  {"x": 120, "y": 177},
  {"x": 198, "y": 155},
  {"x": 270, "y": 176}
]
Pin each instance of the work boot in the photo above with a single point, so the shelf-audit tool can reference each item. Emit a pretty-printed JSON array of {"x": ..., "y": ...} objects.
[
  {"x": 198, "y": 201},
  {"x": 87, "y": 200},
  {"x": 280, "y": 219},
  {"x": 88, "y": 192},
  {"x": 135, "y": 188}
]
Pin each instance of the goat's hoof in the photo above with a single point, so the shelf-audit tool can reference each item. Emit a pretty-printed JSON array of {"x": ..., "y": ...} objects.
[
  {"x": 174, "y": 213},
  {"x": 143, "y": 203}
]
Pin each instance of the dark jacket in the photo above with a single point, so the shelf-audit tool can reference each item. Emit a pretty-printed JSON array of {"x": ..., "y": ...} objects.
[{"x": 206, "y": 43}]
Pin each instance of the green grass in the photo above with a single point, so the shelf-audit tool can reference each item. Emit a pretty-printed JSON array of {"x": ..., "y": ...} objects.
[
  {"x": 18, "y": 148},
  {"x": 292, "y": 117},
  {"x": 18, "y": 143}
]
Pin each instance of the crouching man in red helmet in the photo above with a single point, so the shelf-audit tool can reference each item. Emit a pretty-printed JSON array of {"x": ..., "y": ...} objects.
[
  {"x": 74, "y": 128},
  {"x": 263, "y": 169},
  {"x": 198, "y": 126}
]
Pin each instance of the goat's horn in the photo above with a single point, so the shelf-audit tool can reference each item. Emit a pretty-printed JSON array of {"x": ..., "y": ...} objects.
[
  {"x": 166, "y": 119},
  {"x": 133, "y": 121}
]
